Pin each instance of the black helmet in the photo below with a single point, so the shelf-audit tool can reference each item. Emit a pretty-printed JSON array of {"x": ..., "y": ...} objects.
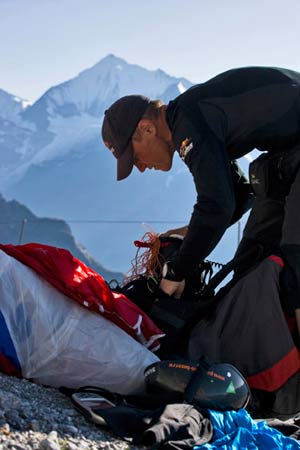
[{"x": 217, "y": 386}]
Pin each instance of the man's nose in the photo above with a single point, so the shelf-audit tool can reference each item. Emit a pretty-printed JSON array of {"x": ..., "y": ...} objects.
[{"x": 141, "y": 167}]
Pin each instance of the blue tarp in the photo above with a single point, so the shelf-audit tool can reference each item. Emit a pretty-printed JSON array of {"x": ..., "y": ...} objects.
[
  {"x": 236, "y": 430},
  {"x": 7, "y": 347}
]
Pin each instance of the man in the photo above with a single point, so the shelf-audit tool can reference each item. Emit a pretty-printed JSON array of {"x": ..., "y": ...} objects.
[{"x": 211, "y": 125}]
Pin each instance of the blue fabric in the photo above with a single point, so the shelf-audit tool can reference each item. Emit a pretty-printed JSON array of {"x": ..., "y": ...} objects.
[
  {"x": 6, "y": 344},
  {"x": 236, "y": 430}
]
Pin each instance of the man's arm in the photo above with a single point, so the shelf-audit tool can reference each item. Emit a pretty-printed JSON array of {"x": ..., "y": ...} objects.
[
  {"x": 210, "y": 166},
  {"x": 212, "y": 213},
  {"x": 204, "y": 152}
]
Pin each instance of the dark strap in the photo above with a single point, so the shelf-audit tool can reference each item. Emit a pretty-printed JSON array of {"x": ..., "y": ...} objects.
[
  {"x": 255, "y": 254},
  {"x": 193, "y": 384}
]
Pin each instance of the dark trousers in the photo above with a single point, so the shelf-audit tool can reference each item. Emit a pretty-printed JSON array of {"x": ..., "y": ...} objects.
[{"x": 274, "y": 220}]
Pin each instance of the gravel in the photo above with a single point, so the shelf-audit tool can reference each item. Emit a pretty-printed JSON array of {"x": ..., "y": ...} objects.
[{"x": 42, "y": 418}]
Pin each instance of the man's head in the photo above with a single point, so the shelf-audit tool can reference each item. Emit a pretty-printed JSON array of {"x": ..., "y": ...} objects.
[{"x": 136, "y": 132}]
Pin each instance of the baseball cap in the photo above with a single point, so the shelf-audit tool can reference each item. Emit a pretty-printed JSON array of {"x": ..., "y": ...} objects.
[{"x": 119, "y": 124}]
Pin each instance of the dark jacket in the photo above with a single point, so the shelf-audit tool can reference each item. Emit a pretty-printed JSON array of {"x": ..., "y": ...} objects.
[{"x": 220, "y": 120}]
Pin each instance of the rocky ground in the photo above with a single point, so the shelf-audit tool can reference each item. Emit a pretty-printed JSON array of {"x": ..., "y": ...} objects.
[{"x": 38, "y": 417}]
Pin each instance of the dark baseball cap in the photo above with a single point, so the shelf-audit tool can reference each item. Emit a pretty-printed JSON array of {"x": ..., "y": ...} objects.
[{"x": 119, "y": 124}]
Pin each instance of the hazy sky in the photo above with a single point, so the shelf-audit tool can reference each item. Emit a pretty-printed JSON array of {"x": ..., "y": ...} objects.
[{"x": 46, "y": 42}]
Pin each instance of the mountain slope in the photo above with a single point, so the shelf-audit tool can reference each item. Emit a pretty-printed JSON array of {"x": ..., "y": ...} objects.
[
  {"x": 11, "y": 106},
  {"x": 19, "y": 225}
]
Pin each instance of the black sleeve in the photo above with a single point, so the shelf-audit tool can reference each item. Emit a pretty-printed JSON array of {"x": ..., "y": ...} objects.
[{"x": 210, "y": 166}]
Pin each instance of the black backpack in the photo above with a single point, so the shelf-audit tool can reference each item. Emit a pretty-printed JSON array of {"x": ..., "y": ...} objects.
[{"x": 176, "y": 317}]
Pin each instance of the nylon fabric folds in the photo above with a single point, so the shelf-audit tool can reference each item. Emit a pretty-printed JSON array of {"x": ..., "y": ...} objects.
[
  {"x": 235, "y": 430},
  {"x": 250, "y": 315},
  {"x": 76, "y": 280},
  {"x": 60, "y": 343}
]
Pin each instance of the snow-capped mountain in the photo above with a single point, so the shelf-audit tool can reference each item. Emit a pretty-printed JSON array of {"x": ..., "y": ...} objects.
[
  {"x": 71, "y": 113},
  {"x": 53, "y": 160},
  {"x": 13, "y": 132},
  {"x": 94, "y": 89}
]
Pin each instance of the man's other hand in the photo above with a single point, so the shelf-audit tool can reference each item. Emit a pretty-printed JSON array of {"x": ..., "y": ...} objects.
[
  {"x": 174, "y": 288},
  {"x": 177, "y": 231}
]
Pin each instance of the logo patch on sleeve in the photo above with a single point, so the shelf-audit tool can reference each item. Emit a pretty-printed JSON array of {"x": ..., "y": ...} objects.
[{"x": 185, "y": 147}]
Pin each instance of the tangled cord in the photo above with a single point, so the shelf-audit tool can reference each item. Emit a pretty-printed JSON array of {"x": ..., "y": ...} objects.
[{"x": 148, "y": 262}]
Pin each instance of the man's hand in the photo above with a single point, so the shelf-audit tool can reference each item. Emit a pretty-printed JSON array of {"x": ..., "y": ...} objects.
[
  {"x": 175, "y": 288},
  {"x": 179, "y": 231}
]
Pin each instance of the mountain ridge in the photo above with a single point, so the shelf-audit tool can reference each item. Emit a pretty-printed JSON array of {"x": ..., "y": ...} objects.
[
  {"x": 19, "y": 225},
  {"x": 72, "y": 111}
]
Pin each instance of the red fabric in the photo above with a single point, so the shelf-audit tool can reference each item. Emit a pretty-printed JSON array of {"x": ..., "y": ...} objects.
[
  {"x": 6, "y": 366},
  {"x": 79, "y": 282},
  {"x": 273, "y": 378},
  {"x": 276, "y": 259}
]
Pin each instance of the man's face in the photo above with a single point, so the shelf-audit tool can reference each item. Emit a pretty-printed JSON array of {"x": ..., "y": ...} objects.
[{"x": 152, "y": 152}]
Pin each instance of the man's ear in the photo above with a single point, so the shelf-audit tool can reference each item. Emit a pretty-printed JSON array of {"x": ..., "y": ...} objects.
[{"x": 146, "y": 127}]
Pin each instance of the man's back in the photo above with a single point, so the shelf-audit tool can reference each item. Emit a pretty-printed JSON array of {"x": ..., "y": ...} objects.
[{"x": 247, "y": 108}]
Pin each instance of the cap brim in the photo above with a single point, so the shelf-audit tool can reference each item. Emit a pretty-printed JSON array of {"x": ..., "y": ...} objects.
[{"x": 125, "y": 163}]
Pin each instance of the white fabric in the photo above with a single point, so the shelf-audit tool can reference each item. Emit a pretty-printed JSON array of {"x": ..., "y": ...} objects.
[{"x": 60, "y": 343}]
